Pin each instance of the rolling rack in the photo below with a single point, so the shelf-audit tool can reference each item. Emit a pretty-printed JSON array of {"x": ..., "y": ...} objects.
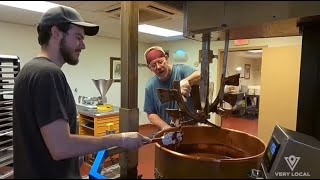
[{"x": 9, "y": 69}]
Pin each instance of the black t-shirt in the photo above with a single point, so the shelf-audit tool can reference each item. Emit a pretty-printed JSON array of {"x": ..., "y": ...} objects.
[{"x": 41, "y": 96}]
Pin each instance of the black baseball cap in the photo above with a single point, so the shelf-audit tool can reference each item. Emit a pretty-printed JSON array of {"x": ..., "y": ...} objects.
[{"x": 63, "y": 14}]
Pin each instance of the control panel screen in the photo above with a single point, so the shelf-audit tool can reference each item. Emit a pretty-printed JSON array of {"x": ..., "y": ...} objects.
[{"x": 271, "y": 153}]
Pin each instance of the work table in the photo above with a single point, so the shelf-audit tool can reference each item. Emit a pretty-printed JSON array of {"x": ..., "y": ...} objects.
[{"x": 93, "y": 112}]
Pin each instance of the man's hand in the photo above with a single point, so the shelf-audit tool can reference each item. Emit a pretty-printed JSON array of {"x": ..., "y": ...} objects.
[
  {"x": 133, "y": 140},
  {"x": 185, "y": 88},
  {"x": 166, "y": 127}
]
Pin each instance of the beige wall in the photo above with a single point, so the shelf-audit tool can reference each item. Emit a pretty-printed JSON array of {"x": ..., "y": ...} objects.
[
  {"x": 279, "y": 89},
  {"x": 234, "y": 61}
]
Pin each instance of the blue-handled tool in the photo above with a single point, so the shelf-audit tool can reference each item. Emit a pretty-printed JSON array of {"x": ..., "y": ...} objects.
[{"x": 97, "y": 165}]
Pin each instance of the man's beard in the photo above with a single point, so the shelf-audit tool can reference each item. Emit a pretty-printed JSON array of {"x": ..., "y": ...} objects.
[{"x": 66, "y": 53}]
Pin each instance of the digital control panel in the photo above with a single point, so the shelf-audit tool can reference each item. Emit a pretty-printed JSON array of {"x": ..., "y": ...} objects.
[{"x": 271, "y": 153}]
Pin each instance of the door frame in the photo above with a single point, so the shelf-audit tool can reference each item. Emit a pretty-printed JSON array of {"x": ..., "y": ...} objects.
[{"x": 219, "y": 68}]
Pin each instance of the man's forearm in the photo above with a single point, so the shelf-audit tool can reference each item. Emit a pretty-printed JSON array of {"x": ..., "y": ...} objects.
[
  {"x": 194, "y": 78},
  {"x": 156, "y": 120},
  {"x": 79, "y": 145},
  {"x": 62, "y": 144}
]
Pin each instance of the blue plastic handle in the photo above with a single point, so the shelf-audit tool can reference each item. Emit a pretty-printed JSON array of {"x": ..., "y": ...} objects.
[{"x": 95, "y": 171}]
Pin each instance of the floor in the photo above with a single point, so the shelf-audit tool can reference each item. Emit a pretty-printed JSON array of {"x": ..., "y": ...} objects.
[{"x": 146, "y": 153}]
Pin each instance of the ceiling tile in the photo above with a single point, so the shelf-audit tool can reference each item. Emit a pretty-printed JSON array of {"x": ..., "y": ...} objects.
[
  {"x": 92, "y": 11},
  {"x": 72, "y": 4},
  {"x": 95, "y": 6},
  {"x": 93, "y": 17}
]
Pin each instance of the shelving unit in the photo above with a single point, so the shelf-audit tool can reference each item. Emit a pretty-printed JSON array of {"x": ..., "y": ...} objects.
[
  {"x": 9, "y": 69},
  {"x": 98, "y": 125}
]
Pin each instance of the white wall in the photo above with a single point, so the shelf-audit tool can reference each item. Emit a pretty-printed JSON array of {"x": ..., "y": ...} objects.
[
  {"x": 18, "y": 40},
  {"x": 94, "y": 61}
]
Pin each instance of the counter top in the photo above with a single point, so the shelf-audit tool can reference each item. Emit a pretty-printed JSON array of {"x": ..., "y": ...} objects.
[{"x": 93, "y": 112}]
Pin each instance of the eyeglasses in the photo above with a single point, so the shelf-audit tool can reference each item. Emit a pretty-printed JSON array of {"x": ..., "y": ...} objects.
[{"x": 153, "y": 66}]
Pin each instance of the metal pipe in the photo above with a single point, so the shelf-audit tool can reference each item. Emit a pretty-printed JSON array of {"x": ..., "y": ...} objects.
[
  {"x": 224, "y": 66},
  {"x": 129, "y": 113},
  {"x": 204, "y": 81}
]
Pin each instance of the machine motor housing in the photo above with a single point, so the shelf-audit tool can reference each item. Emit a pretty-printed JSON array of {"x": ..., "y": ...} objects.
[{"x": 291, "y": 154}]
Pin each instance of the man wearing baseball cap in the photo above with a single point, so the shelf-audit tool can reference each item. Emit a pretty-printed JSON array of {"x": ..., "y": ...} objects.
[
  {"x": 44, "y": 113},
  {"x": 165, "y": 74}
]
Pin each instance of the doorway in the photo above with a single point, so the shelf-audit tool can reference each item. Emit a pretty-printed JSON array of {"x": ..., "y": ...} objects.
[{"x": 245, "y": 113}]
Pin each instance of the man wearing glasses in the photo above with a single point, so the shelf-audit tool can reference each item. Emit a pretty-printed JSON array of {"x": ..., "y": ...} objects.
[{"x": 165, "y": 74}]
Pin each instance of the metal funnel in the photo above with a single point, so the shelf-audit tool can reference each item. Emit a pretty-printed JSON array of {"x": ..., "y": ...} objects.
[{"x": 103, "y": 86}]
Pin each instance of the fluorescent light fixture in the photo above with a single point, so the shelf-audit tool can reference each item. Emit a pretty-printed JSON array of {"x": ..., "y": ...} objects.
[
  {"x": 157, "y": 31},
  {"x": 255, "y": 51},
  {"x": 39, "y": 6}
]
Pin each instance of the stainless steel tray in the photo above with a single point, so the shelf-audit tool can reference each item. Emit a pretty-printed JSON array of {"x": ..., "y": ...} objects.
[
  {"x": 5, "y": 131},
  {"x": 6, "y": 107},
  {"x": 5, "y": 139},
  {"x": 6, "y": 146},
  {"x": 6, "y": 102},
  {"x": 6, "y": 154},
  {"x": 8, "y": 119},
  {"x": 5, "y": 124},
  {"x": 8, "y": 66},
  {"x": 8, "y": 113},
  {"x": 7, "y": 78}
]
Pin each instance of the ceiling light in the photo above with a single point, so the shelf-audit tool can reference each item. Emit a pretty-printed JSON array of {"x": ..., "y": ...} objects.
[
  {"x": 8, "y": 56},
  {"x": 39, "y": 6},
  {"x": 239, "y": 68},
  {"x": 255, "y": 51},
  {"x": 158, "y": 31}
]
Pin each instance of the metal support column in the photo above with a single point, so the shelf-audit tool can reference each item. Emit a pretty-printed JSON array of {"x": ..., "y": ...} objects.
[
  {"x": 309, "y": 86},
  {"x": 204, "y": 81},
  {"x": 224, "y": 65},
  {"x": 129, "y": 113}
]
